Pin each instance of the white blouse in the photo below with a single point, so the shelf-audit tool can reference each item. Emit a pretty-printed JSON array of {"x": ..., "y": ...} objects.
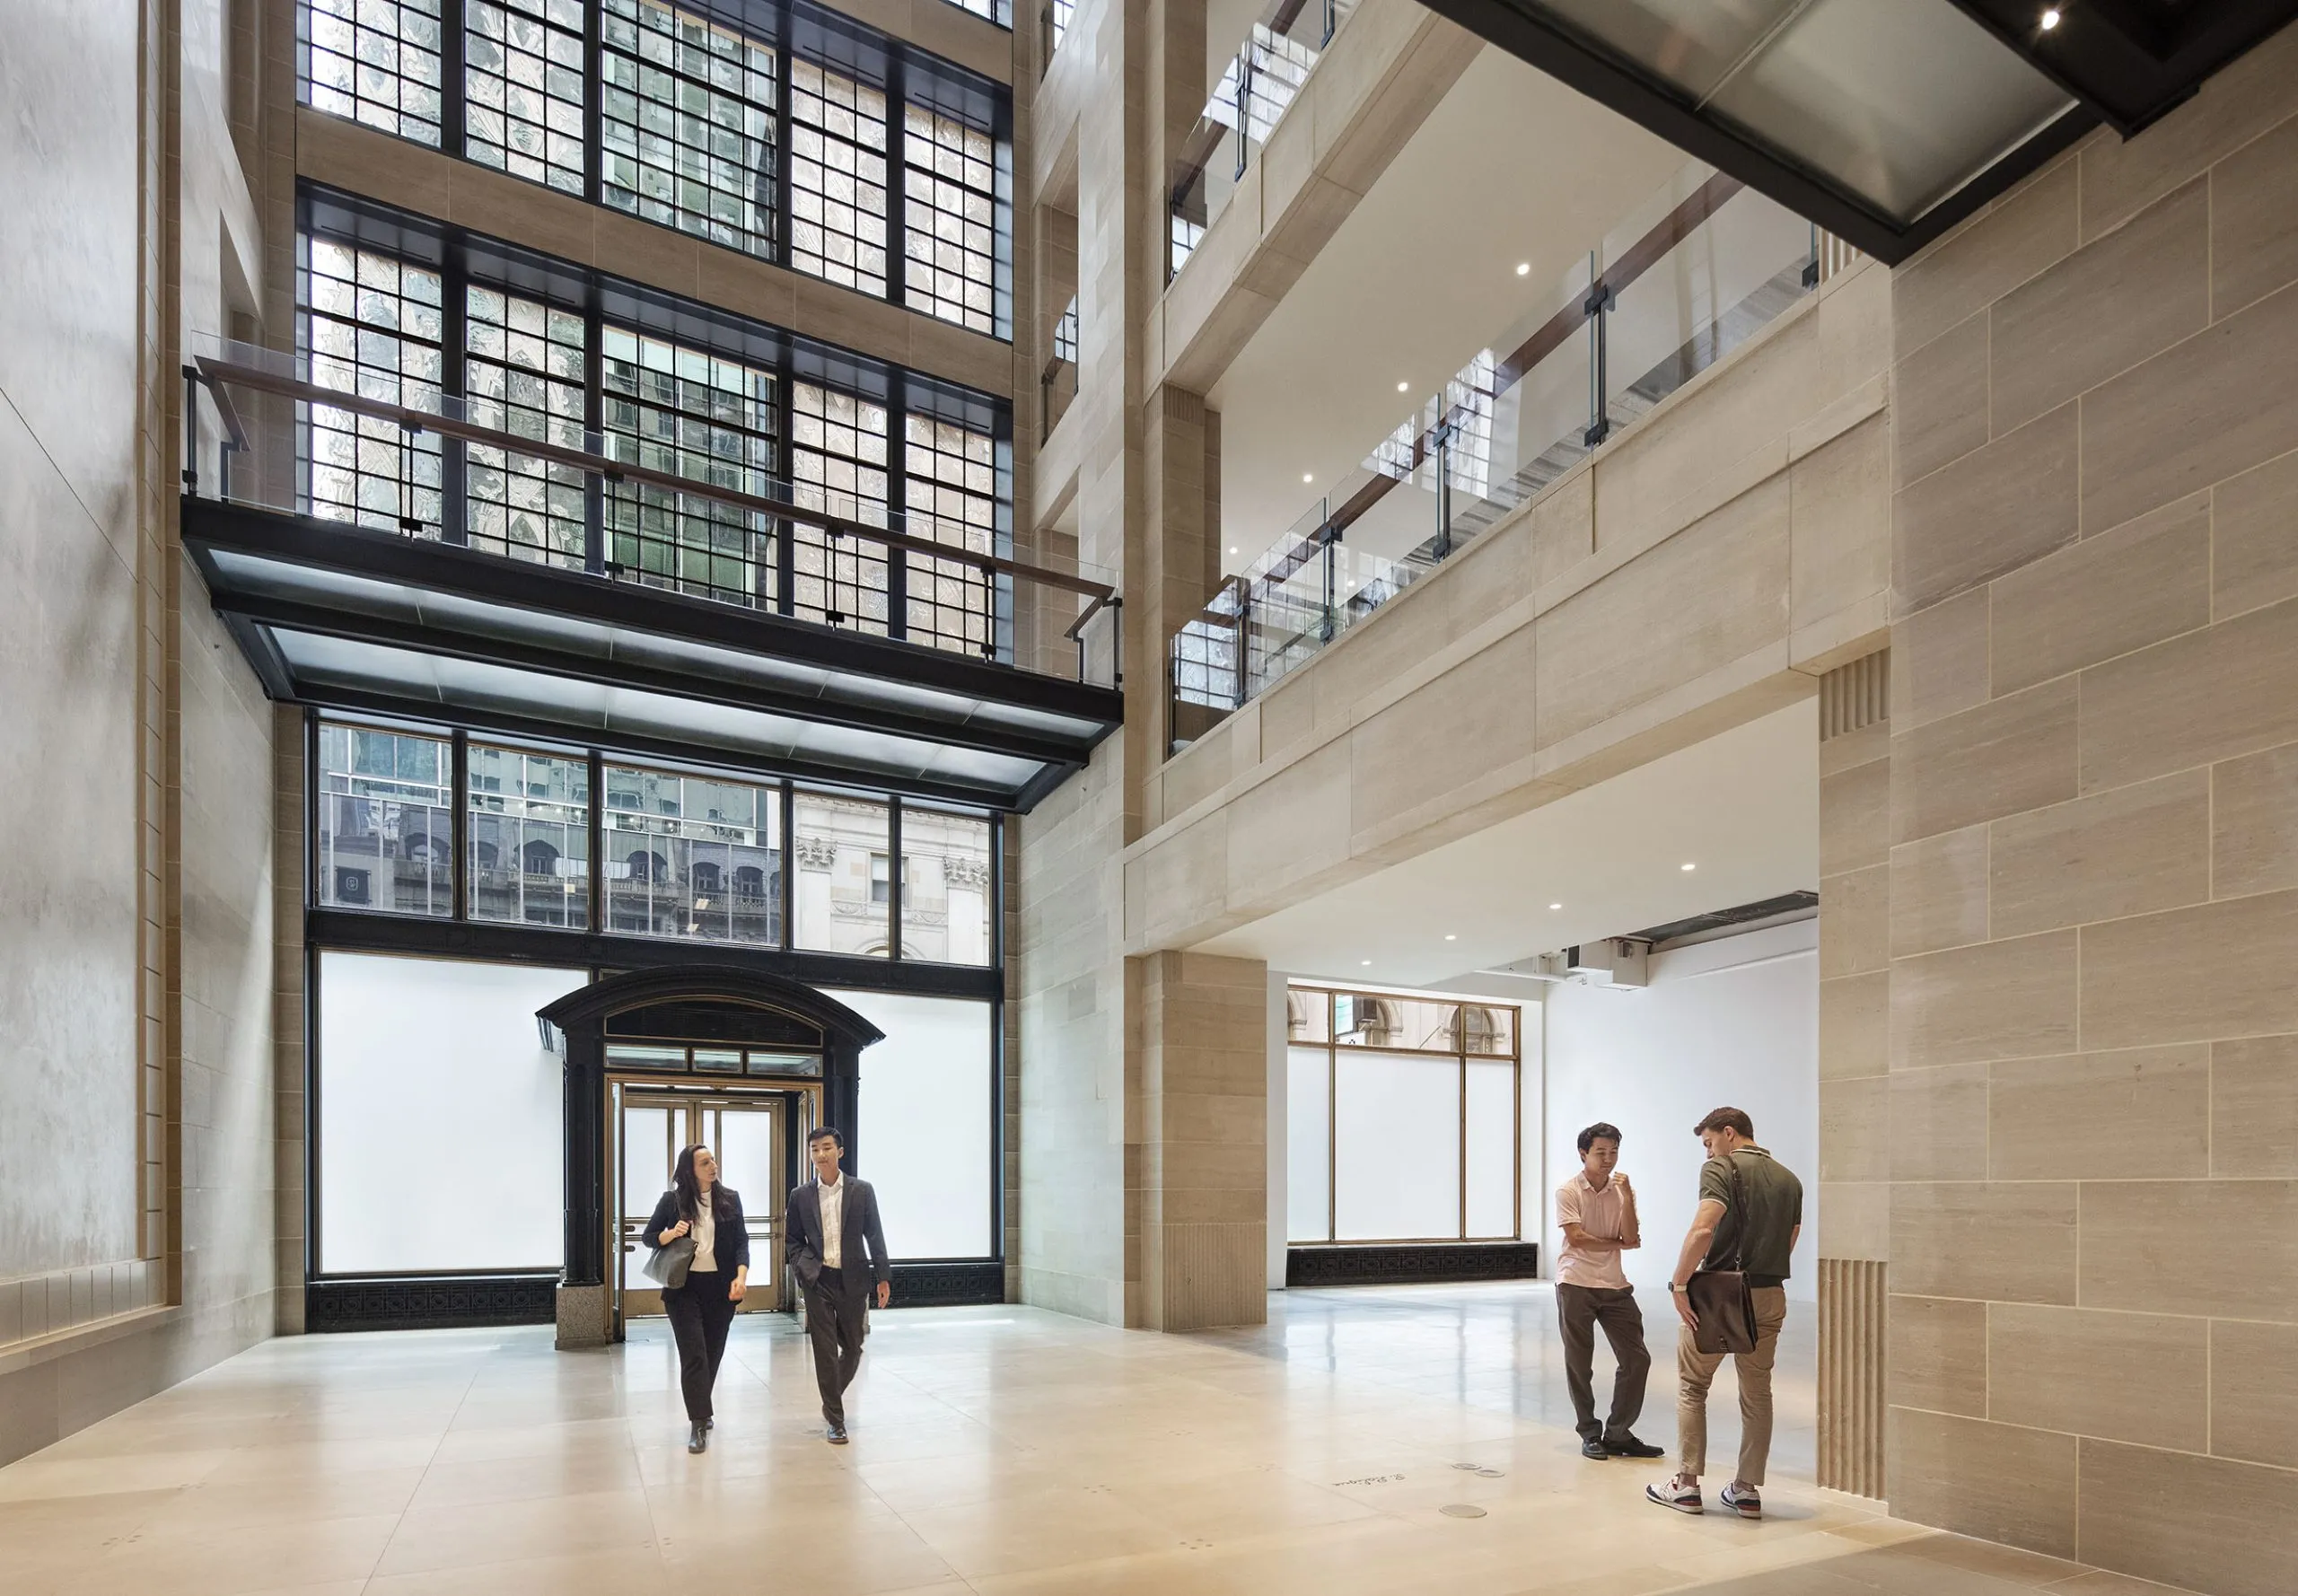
[{"x": 706, "y": 1233}]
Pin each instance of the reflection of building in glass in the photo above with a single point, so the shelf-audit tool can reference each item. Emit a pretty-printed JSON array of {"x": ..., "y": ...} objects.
[
  {"x": 529, "y": 838},
  {"x": 386, "y": 829},
  {"x": 845, "y": 880},
  {"x": 692, "y": 857}
]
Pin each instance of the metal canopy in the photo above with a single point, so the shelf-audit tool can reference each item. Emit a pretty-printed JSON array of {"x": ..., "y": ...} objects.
[
  {"x": 1884, "y": 121},
  {"x": 368, "y": 621}
]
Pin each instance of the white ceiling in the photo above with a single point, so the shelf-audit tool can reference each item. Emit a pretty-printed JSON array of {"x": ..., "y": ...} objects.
[
  {"x": 1511, "y": 167},
  {"x": 1743, "y": 806}
]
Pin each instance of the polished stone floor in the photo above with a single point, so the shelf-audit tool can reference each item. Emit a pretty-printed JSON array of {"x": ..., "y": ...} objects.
[{"x": 994, "y": 1449}]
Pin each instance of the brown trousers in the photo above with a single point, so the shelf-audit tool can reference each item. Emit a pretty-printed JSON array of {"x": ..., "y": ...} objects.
[
  {"x": 1696, "y": 1370},
  {"x": 1579, "y": 1310}
]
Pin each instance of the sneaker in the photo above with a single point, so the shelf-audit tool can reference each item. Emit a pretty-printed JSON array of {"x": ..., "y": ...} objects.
[
  {"x": 1743, "y": 1501},
  {"x": 1594, "y": 1447},
  {"x": 1683, "y": 1499},
  {"x": 1629, "y": 1446}
]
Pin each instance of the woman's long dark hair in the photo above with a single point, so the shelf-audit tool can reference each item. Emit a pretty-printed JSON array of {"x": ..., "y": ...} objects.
[{"x": 689, "y": 1189}]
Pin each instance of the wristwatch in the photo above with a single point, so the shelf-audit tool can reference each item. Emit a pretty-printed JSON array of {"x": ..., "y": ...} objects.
[{"x": 1673, "y": 1286}]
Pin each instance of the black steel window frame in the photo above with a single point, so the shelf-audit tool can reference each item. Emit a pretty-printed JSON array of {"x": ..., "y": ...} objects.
[
  {"x": 794, "y": 30},
  {"x": 464, "y": 257},
  {"x": 832, "y": 968}
]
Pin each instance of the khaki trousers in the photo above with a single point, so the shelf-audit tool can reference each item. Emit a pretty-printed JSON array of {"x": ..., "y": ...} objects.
[{"x": 1696, "y": 1372}]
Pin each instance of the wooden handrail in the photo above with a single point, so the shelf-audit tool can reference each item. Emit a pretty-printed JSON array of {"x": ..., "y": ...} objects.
[{"x": 214, "y": 373}]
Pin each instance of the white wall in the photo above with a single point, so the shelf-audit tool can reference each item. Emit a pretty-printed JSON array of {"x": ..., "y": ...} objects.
[
  {"x": 1733, "y": 1021},
  {"x": 1279, "y": 1163}
]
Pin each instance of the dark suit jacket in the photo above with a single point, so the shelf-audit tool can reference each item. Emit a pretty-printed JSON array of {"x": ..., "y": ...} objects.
[
  {"x": 858, "y": 1225},
  {"x": 731, "y": 1247}
]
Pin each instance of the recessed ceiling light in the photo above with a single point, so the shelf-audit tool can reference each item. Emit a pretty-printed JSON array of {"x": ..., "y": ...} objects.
[
  {"x": 1366, "y": 962},
  {"x": 1308, "y": 476},
  {"x": 1404, "y": 387},
  {"x": 1523, "y": 268},
  {"x": 2050, "y": 18},
  {"x": 1691, "y": 867},
  {"x": 1233, "y": 548},
  {"x": 1556, "y": 906},
  {"x": 1450, "y": 937}
]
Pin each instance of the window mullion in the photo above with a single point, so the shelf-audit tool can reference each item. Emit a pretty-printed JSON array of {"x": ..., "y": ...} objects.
[
  {"x": 897, "y": 180},
  {"x": 594, "y": 487},
  {"x": 451, "y": 79},
  {"x": 593, "y": 100},
  {"x": 782, "y": 142},
  {"x": 454, "y": 456}
]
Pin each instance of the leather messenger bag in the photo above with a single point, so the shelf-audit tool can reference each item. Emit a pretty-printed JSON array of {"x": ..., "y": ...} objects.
[{"x": 1722, "y": 1304}]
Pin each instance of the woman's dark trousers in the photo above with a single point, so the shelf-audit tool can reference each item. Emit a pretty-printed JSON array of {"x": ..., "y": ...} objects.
[{"x": 700, "y": 1315}]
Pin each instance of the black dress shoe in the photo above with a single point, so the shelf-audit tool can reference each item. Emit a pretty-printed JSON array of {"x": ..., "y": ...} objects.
[
  {"x": 1629, "y": 1446},
  {"x": 710, "y": 1424},
  {"x": 1594, "y": 1447},
  {"x": 837, "y": 1436},
  {"x": 698, "y": 1437}
]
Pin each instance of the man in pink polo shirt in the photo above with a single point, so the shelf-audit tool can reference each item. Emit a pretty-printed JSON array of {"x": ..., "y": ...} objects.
[{"x": 1597, "y": 1209}]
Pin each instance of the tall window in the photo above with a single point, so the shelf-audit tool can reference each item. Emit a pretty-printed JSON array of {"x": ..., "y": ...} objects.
[
  {"x": 945, "y": 896},
  {"x": 386, "y": 820},
  {"x": 691, "y": 856},
  {"x": 844, "y": 888},
  {"x": 687, "y": 122},
  {"x": 374, "y": 61},
  {"x": 1405, "y": 1118},
  {"x": 838, "y": 461},
  {"x": 523, "y": 371},
  {"x": 951, "y": 489},
  {"x": 949, "y": 219},
  {"x": 529, "y": 836},
  {"x": 373, "y": 326},
  {"x": 522, "y": 88},
  {"x": 837, "y": 178},
  {"x": 699, "y": 415}
]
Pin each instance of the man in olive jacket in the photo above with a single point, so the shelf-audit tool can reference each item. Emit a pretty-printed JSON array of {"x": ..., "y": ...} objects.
[{"x": 833, "y": 1217}]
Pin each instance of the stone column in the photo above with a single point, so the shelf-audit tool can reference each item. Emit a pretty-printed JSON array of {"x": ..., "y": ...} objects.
[{"x": 1201, "y": 1107}]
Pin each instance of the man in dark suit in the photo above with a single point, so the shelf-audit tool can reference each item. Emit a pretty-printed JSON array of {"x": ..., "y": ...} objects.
[{"x": 832, "y": 1218}]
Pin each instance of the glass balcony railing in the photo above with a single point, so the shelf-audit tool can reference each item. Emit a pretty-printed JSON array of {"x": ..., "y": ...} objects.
[
  {"x": 1690, "y": 276},
  {"x": 671, "y": 502},
  {"x": 1256, "y": 89}
]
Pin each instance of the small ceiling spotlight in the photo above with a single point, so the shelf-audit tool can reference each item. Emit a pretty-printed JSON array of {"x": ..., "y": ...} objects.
[
  {"x": 1404, "y": 387},
  {"x": 1523, "y": 268},
  {"x": 1450, "y": 937},
  {"x": 1691, "y": 867},
  {"x": 1367, "y": 963},
  {"x": 1556, "y": 906},
  {"x": 2050, "y": 18},
  {"x": 1233, "y": 548},
  {"x": 1308, "y": 476}
]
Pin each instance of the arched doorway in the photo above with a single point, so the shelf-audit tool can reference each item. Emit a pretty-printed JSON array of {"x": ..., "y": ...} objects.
[{"x": 654, "y": 1058}]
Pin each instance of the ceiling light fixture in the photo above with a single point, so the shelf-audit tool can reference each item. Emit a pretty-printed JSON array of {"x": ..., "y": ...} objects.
[
  {"x": 1691, "y": 867},
  {"x": 1523, "y": 268},
  {"x": 1233, "y": 548},
  {"x": 1366, "y": 962},
  {"x": 1450, "y": 937},
  {"x": 2050, "y": 18},
  {"x": 1308, "y": 476},
  {"x": 1404, "y": 387},
  {"x": 1556, "y": 906}
]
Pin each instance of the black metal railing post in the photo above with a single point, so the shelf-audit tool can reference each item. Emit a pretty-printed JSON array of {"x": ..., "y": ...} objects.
[{"x": 1598, "y": 310}]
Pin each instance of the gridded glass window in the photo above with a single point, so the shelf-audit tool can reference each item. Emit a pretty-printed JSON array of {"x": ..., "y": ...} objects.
[
  {"x": 523, "y": 372},
  {"x": 386, "y": 828},
  {"x": 689, "y": 856},
  {"x": 700, "y": 416},
  {"x": 951, "y": 488},
  {"x": 843, "y": 842},
  {"x": 839, "y": 465},
  {"x": 1000, "y": 12},
  {"x": 374, "y": 61},
  {"x": 837, "y": 178},
  {"x": 530, "y": 840},
  {"x": 373, "y": 326},
  {"x": 687, "y": 122},
  {"x": 522, "y": 88},
  {"x": 950, "y": 220},
  {"x": 945, "y": 893},
  {"x": 1062, "y": 13},
  {"x": 1064, "y": 333}
]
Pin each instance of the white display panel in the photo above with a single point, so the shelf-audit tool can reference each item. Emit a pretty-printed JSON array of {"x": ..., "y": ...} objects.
[
  {"x": 1397, "y": 1150},
  {"x": 1492, "y": 1149},
  {"x": 441, "y": 1119},
  {"x": 1308, "y": 1153},
  {"x": 924, "y": 1138}
]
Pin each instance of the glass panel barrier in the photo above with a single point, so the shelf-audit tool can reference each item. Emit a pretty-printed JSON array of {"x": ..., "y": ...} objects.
[
  {"x": 677, "y": 492},
  {"x": 1698, "y": 268}
]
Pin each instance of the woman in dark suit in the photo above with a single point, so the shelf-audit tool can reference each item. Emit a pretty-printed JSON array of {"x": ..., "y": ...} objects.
[{"x": 702, "y": 1309}]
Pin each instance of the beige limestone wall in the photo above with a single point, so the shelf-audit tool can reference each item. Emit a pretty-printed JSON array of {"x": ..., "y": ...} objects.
[
  {"x": 1745, "y": 521},
  {"x": 2091, "y": 1093},
  {"x": 136, "y": 1215}
]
